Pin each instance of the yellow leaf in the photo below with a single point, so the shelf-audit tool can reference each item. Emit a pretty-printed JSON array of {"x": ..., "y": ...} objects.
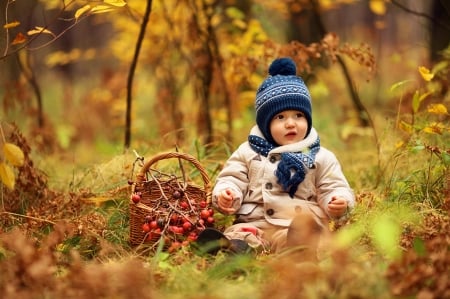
[
  {"x": 101, "y": 9},
  {"x": 19, "y": 39},
  {"x": 434, "y": 128},
  {"x": 117, "y": 3},
  {"x": 399, "y": 144},
  {"x": 82, "y": 11},
  {"x": 11, "y": 25},
  {"x": 13, "y": 154},
  {"x": 426, "y": 74},
  {"x": 405, "y": 127},
  {"x": 239, "y": 24},
  {"x": 437, "y": 109},
  {"x": 378, "y": 7},
  {"x": 7, "y": 176},
  {"x": 38, "y": 30}
]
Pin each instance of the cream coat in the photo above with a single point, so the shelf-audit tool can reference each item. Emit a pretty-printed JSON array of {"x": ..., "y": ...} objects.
[{"x": 259, "y": 198}]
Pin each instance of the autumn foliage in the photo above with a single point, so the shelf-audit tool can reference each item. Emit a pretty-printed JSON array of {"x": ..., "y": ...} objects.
[{"x": 68, "y": 185}]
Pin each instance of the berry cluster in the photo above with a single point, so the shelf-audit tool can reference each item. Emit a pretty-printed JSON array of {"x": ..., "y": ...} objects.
[{"x": 178, "y": 221}]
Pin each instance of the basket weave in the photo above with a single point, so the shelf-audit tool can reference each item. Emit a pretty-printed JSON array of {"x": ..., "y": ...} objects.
[{"x": 168, "y": 201}]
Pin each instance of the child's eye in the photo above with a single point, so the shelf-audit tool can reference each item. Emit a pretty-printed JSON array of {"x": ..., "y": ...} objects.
[
  {"x": 300, "y": 115},
  {"x": 279, "y": 116}
]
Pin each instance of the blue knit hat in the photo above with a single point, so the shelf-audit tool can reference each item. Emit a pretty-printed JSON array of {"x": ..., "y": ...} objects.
[{"x": 281, "y": 91}]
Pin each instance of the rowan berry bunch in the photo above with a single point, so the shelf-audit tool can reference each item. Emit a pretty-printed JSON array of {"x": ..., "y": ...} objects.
[{"x": 176, "y": 218}]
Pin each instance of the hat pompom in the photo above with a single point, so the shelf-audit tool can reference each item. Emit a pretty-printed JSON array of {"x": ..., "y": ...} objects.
[{"x": 283, "y": 66}]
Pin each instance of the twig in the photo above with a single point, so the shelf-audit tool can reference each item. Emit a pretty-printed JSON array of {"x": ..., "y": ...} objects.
[
  {"x": 44, "y": 28},
  {"x": 29, "y": 217},
  {"x": 420, "y": 14},
  {"x": 133, "y": 65},
  {"x": 7, "y": 29}
]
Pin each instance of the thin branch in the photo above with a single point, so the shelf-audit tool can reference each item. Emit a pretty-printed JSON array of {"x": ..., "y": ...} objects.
[
  {"x": 140, "y": 39},
  {"x": 28, "y": 217},
  {"x": 420, "y": 14},
  {"x": 43, "y": 29},
  {"x": 7, "y": 29},
  {"x": 31, "y": 79}
]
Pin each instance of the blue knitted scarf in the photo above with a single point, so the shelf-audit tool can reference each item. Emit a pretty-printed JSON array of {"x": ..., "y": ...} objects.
[{"x": 291, "y": 170}]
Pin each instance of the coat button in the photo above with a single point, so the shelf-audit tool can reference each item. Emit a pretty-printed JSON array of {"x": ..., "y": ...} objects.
[
  {"x": 270, "y": 212},
  {"x": 268, "y": 186}
]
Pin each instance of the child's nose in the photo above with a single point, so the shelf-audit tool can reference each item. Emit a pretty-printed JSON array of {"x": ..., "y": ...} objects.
[{"x": 290, "y": 122}]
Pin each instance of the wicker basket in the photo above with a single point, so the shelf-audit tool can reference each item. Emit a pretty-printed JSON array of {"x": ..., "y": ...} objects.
[{"x": 169, "y": 207}]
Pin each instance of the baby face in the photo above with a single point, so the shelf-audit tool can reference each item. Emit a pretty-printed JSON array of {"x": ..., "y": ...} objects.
[{"x": 288, "y": 127}]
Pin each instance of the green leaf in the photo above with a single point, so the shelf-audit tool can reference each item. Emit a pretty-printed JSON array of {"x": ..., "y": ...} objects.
[
  {"x": 406, "y": 127},
  {"x": 446, "y": 158},
  {"x": 418, "y": 99},
  {"x": 64, "y": 134},
  {"x": 416, "y": 102},
  {"x": 386, "y": 236},
  {"x": 443, "y": 65},
  {"x": 348, "y": 236},
  {"x": 417, "y": 148},
  {"x": 398, "y": 84},
  {"x": 419, "y": 246}
]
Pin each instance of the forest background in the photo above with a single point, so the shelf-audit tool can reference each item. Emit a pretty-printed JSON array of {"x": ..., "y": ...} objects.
[{"x": 90, "y": 87}]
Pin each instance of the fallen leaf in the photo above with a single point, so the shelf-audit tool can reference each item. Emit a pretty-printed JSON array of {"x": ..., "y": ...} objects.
[
  {"x": 7, "y": 176},
  {"x": 13, "y": 154}
]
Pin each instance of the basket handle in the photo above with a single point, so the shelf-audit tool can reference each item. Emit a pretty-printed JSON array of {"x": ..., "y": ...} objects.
[{"x": 141, "y": 176}]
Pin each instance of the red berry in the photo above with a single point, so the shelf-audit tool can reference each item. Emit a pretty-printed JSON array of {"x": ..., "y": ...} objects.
[
  {"x": 210, "y": 219},
  {"x": 204, "y": 214},
  {"x": 187, "y": 226},
  {"x": 145, "y": 227},
  {"x": 203, "y": 204},
  {"x": 176, "y": 229},
  {"x": 153, "y": 224},
  {"x": 211, "y": 212},
  {"x": 135, "y": 198},
  {"x": 174, "y": 218},
  {"x": 184, "y": 205},
  {"x": 192, "y": 236},
  {"x": 156, "y": 233}
]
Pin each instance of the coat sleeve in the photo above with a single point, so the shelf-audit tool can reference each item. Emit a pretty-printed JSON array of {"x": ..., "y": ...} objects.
[
  {"x": 234, "y": 176},
  {"x": 331, "y": 181}
]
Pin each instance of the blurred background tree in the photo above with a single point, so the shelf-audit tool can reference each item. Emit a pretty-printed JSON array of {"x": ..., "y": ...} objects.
[{"x": 65, "y": 64}]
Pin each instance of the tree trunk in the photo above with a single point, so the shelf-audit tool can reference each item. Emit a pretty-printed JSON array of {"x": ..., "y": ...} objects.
[{"x": 140, "y": 39}]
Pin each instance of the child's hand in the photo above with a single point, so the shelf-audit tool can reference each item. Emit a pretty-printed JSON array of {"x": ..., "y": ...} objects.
[
  {"x": 225, "y": 201},
  {"x": 337, "y": 207}
]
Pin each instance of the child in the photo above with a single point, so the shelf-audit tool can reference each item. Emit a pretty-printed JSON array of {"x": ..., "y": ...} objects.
[{"x": 281, "y": 184}]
